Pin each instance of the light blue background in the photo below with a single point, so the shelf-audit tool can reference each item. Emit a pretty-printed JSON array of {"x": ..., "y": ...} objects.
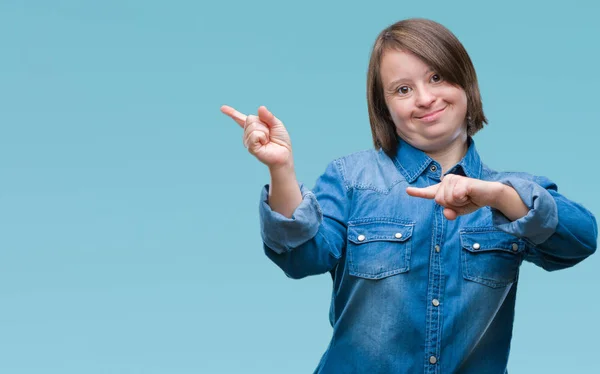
[{"x": 129, "y": 233}]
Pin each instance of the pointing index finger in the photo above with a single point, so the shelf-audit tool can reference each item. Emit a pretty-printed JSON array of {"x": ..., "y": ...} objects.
[
  {"x": 427, "y": 192},
  {"x": 238, "y": 117}
]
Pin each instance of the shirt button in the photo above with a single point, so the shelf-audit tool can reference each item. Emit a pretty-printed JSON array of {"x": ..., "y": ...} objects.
[
  {"x": 435, "y": 302},
  {"x": 361, "y": 238},
  {"x": 437, "y": 248},
  {"x": 398, "y": 235},
  {"x": 432, "y": 360},
  {"x": 515, "y": 247},
  {"x": 433, "y": 168},
  {"x": 476, "y": 246}
]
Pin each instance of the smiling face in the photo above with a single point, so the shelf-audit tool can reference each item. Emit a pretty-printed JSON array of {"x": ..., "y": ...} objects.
[{"x": 428, "y": 112}]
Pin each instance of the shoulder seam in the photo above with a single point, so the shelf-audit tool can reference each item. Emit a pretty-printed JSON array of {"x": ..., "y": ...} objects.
[{"x": 340, "y": 167}]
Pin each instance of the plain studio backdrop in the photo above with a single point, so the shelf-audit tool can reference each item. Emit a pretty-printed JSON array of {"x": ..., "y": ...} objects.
[{"x": 129, "y": 231}]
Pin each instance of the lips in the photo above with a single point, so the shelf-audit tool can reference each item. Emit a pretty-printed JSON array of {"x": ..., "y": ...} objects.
[{"x": 432, "y": 115}]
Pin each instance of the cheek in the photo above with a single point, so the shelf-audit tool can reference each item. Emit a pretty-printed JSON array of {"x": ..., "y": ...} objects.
[
  {"x": 399, "y": 112},
  {"x": 454, "y": 94},
  {"x": 461, "y": 101}
]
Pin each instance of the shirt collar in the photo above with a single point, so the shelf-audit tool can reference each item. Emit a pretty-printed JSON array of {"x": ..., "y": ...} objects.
[{"x": 412, "y": 162}]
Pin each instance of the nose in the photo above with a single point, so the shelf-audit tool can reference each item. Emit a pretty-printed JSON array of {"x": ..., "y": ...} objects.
[{"x": 424, "y": 97}]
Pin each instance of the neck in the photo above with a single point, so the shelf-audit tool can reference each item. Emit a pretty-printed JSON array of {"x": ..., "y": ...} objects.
[{"x": 452, "y": 154}]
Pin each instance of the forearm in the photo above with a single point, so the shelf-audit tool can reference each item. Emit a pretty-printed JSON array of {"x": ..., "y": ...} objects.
[
  {"x": 574, "y": 239},
  {"x": 311, "y": 242},
  {"x": 559, "y": 231},
  {"x": 316, "y": 256},
  {"x": 284, "y": 192}
]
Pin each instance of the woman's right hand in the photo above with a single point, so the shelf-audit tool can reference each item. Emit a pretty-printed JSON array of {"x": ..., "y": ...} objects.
[{"x": 264, "y": 136}]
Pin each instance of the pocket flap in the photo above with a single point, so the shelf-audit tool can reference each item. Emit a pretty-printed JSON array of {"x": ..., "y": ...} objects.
[
  {"x": 490, "y": 239},
  {"x": 365, "y": 232}
]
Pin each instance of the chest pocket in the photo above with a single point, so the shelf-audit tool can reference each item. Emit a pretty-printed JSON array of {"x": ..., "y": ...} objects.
[
  {"x": 491, "y": 257},
  {"x": 378, "y": 249}
]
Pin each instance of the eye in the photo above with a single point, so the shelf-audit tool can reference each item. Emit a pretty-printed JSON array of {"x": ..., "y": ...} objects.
[
  {"x": 403, "y": 90},
  {"x": 435, "y": 78}
]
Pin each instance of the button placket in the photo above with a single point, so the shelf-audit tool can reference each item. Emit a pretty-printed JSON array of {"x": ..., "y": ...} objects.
[{"x": 434, "y": 318}]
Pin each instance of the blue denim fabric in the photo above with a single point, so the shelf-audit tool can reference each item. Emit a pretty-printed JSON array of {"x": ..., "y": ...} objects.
[{"x": 412, "y": 291}]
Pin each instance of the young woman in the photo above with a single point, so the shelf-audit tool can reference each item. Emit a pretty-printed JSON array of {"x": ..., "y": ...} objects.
[{"x": 422, "y": 240}]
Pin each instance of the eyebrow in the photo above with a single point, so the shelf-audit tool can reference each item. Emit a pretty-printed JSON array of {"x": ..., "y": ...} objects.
[{"x": 395, "y": 82}]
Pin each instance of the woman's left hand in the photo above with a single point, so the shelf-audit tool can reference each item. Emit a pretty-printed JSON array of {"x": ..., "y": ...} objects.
[{"x": 460, "y": 195}]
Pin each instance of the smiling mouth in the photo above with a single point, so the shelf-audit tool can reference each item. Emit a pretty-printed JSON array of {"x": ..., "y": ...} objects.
[{"x": 432, "y": 115}]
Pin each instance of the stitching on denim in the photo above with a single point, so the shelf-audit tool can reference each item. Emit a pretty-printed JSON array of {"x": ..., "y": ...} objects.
[
  {"x": 420, "y": 170},
  {"x": 376, "y": 189},
  {"x": 366, "y": 186},
  {"x": 474, "y": 276},
  {"x": 361, "y": 221},
  {"x": 489, "y": 282},
  {"x": 495, "y": 249},
  {"x": 429, "y": 339},
  {"x": 340, "y": 166},
  {"x": 379, "y": 275},
  {"x": 495, "y": 283},
  {"x": 312, "y": 196},
  {"x": 440, "y": 299},
  {"x": 482, "y": 229},
  {"x": 521, "y": 243},
  {"x": 354, "y": 265},
  {"x": 329, "y": 245},
  {"x": 401, "y": 168},
  {"x": 382, "y": 238},
  {"x": 467, "y": 274},
  {"x": 412, "y": 177}
]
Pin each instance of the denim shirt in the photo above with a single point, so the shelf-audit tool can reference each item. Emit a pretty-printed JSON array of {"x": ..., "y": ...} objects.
[{"x": 414, "y": 292}]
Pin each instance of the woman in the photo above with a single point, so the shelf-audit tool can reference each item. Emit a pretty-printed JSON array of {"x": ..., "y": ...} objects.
[{"x": 422, "y": 240}]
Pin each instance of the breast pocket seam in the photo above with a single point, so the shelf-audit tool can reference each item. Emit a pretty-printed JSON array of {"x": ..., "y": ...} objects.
[
  {"x": 373, "y": 237},
  {"x": 496, "y": 250}
]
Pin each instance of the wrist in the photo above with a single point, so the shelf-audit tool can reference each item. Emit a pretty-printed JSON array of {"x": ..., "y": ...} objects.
[
  {"x": 498, "y": 197},
  {"x": 509, "y": 203},
  {"x": 282, "y": 172}
]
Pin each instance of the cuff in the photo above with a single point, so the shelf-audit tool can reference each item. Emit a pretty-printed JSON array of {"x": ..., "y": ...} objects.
[
  {"x": 541, "y": 221},
  {"x": 282, "y": 234}
]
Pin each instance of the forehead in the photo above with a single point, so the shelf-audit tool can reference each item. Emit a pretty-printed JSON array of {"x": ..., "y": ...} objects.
[{"x": 399, "y": 64}]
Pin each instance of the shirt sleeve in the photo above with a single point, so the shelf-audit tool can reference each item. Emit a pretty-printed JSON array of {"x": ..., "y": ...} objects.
[
  {"x": 560, "y": 232},
  {"x": 312, "y": 240},
  {"x": 282, "y": 234}
]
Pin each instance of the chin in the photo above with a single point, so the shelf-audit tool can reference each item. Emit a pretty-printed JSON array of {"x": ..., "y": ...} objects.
[{"x": 433, "y": 142}]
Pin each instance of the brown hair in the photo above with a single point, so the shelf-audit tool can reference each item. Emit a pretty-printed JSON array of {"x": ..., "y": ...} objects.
[{"x": 436, "y": 46}]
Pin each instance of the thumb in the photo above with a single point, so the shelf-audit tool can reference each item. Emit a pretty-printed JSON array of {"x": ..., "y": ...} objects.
[
  {"x": 268, "y": 118},
  {"x": 427, "y": 192}
]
